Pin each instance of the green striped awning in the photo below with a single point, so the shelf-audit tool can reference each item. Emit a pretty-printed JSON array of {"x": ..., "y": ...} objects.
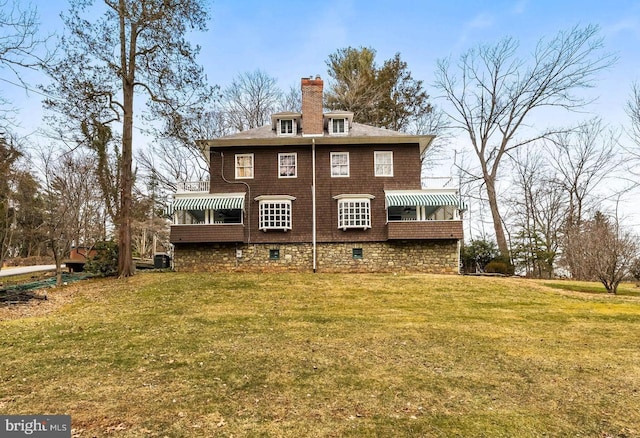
[
  {"x": 211, "y": 202},
  {"x": 420, "y": 199}
]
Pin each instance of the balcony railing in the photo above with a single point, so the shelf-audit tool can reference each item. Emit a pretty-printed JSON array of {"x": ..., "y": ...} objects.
[{"x": 193, "y": 187}]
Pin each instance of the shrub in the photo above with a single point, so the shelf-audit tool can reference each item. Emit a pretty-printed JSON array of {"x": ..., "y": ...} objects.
[
  {"x": 477, "y": 253},
  {"x": 105, "y": 261},
  {"x": 635, "y": 270},
  {"x": 500, "y": 265}
]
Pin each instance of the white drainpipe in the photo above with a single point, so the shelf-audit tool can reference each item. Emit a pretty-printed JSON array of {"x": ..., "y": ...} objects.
[{"x": 313, "y": 201}]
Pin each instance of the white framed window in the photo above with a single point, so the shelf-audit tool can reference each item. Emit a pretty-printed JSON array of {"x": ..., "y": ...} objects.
[
  {"x": 354, "y": 213},
  {"x": 383, "y": 163},
  {"x": 339, "y": 164},
  {"x": 338, "y": 126},
  {"x": 244, "y": 166},
  {"x": 275, "y": 215},
  {"x": 288, "y": 165},
  {"x": 286, "y": 127}
]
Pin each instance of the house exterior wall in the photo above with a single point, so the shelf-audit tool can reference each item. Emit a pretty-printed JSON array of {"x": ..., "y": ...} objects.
[
  {"x": 438, "y": 257},
  {"x": 361, "y": 180}
]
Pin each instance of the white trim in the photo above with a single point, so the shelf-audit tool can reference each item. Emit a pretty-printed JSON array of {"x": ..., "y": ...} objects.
[
  {"x": 293, "y": 127},
  {"x": 283, "y": 219},
  {"x": 354, "y": 212},
  {"x": 274, "y": 198},
  {"x": 354, "y": 196},
  {"x": 235, "y": 165},
  {"x": 331, "y": 155},
  {"x": 345, "y": 126},
  {"x": 295, "y": 164},
  {"x": 376, "y": 156}
]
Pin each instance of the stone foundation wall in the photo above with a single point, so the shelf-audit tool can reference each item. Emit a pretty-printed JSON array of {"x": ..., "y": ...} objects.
[{"x": 435, "y": 256}]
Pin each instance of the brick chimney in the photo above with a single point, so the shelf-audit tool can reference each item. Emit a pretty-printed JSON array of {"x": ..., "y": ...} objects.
[{"x": 312, "y": 123}]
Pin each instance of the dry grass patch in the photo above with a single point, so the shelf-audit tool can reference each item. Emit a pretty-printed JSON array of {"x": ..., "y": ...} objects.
[{"x": 327, "y": 355}]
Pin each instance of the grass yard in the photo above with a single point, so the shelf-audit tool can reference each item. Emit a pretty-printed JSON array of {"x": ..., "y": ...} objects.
[{"x": 189, "y": 355}]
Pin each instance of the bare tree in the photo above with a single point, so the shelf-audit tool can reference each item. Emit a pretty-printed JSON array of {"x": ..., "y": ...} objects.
[
  {"x": 494, "y": 94},
  {"x": 9, "y": 156},
  {"x": 291, "y": 100},
  {"x": 250, "y": 100},
  {"x": 434, "y": 122},
  {"x": 134, "y": 48},
  {"x": 633, "y": 110},
  {"x": 583, "y": 157},
  {"x": 538, "y": 206},
  {"x": 72, "y": 213},
  {"x": 606, "y": 251},
  {"x": 21, "y": 46}
]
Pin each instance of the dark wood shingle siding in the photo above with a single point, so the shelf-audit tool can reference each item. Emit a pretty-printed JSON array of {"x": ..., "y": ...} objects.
[
  {"x": 207, "y": 233},
  {"x": 409, "y": 230},
  {"x": 362, "y": 180}
]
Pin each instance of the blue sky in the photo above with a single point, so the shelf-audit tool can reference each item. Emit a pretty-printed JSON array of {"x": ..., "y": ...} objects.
[{"x": 293, "y": 39}]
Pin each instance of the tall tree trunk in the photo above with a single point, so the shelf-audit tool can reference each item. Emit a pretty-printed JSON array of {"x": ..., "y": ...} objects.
[
  {"x": 127, "y": 60},
  {"x": 58, "y": 260},
  {"x": 125, "y": 261},
  {"x": 501, "y": 240}
]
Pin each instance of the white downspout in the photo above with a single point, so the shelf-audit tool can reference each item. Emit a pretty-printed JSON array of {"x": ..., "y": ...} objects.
[{"x": 313, "y": 201}]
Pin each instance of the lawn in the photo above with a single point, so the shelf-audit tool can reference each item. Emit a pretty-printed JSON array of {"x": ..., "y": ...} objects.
[{"x": 184, "y": 355}]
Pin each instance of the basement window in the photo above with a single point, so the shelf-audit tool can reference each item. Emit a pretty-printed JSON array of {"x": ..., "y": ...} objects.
[
  {"x": 274, "y": 254},
  {"x": 356, "y": 253}
]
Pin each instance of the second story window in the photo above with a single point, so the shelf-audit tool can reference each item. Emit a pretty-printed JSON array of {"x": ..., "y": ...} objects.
[
  {"x": 339, "y": 164},
  {"x": 383, "y": 163},
  {"x": 286, "y": 127},
  {"x": 288, "y": 165},
  {"x": 244, "y": 166}
]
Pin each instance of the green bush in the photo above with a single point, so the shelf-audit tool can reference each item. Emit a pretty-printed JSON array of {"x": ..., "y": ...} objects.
[
  {"x": 500, "y": 265},
  {"x": 105, "y": 261},
  {"x": 477, "y": 253}
]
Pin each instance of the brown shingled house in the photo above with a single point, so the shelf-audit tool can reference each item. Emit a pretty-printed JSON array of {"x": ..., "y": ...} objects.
[{"x": 316, "y": 191}]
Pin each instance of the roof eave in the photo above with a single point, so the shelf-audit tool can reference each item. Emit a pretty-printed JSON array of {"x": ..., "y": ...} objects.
[{"x": 423, "y": 140}]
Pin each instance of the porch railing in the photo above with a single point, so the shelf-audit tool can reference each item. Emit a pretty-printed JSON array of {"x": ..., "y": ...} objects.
[{"x": 193, "y": 186}]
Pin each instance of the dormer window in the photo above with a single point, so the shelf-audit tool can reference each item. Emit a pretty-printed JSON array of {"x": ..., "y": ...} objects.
[
  {"x": 286, "y": 127},
  {"x": 286, "y": 123},
  {"x": 338, "y": 122},
  {"x": 338, "y": 126}
]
